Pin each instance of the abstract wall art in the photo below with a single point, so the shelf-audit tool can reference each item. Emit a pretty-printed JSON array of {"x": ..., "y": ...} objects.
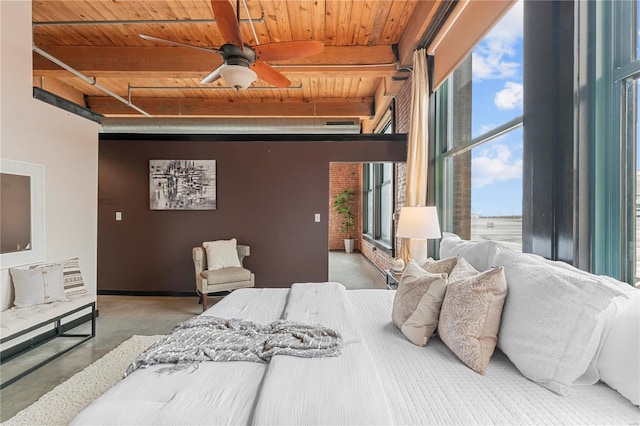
[{"x": 182, "y": 184}]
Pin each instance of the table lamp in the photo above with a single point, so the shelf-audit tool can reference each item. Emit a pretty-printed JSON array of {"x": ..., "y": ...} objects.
[{"x": 418, "y": 223}]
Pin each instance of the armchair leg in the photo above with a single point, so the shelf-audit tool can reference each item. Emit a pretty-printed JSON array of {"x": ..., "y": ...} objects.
[{"x": 204, "y": 302}]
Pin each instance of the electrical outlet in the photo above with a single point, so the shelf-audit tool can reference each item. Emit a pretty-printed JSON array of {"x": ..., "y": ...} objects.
[
  {"x": 118, "y": 215},
  {"x": 317, "y": 217}
]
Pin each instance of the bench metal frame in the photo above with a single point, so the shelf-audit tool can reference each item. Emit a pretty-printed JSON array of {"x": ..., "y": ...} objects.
[{"x": 59, "y": 332}]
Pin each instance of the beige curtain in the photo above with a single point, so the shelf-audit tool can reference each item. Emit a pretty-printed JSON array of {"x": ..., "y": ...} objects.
[{"x": 417, "y": 152}]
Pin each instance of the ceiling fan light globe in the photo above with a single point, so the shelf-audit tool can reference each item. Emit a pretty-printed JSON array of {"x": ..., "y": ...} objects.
[{"x": 238, "y": 76}]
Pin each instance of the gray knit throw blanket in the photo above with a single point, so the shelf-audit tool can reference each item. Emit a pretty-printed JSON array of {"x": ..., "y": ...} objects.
[{"x": 207, "y": 338}]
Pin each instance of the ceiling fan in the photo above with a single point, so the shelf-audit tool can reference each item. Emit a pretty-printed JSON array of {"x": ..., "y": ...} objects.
[{"x": 243, "y": 64}]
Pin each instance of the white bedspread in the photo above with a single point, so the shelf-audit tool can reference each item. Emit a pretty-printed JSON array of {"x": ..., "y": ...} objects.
[
  {"x": 429, "y": 385},
  {"x": 216, "y": 393},
  {"x": 327, "y": 391},
  {"x": 420, "y": 385}
]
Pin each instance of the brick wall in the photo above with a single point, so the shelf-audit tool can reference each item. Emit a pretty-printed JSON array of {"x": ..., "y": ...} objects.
[
  {"x": 379, "y": 258},
  {"x": 403, "y": 113},
  {"x": 403, "y": 108},
  {"x": 462, "y": 89},
  {"x": 341, "y": 177}
]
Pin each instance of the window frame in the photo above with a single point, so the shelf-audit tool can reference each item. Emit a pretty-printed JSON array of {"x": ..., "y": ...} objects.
[
  {"x": 373, "y": 234},
  {"x": 614, "y": 145},
  {"x": 446, "y": 151}
]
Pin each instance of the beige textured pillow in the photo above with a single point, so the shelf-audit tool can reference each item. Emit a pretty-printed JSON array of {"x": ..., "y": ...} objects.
[
  {"x": 442, "y": 266},
  {"x": 471, "y": 312},
  {"x": 222, "y": 254},
  {"x": 417, "y": 303}
]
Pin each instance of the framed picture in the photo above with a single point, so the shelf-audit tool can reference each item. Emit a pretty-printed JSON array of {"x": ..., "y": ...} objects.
[
  {"x": 182, "y": 184},
  {"x": 22, "y": 237}
]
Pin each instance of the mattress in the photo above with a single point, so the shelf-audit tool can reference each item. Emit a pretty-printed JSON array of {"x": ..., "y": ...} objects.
[{"x": 421, "y": 385}]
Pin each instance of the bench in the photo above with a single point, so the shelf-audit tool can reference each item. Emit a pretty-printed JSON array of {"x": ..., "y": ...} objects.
[{"x": 23, "y": 329}]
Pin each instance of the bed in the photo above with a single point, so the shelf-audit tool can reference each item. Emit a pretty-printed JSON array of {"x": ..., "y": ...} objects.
[{"x": 380, "y": 377}]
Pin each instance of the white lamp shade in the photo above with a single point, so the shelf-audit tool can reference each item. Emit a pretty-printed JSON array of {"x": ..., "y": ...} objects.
[
  {"x": 238, "y": 76},
  {"x": 419, "y": 223}
]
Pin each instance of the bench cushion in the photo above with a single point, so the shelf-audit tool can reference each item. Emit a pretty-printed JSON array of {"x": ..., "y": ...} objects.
[{"x": 15, "y": 319}]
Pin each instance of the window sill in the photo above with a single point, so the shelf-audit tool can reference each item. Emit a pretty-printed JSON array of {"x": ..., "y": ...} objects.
[{"x": 379, "y": 244}]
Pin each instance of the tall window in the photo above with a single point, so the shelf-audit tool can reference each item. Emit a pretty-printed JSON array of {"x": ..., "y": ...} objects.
[
  {"x": 479, "y": 132},
  {"x": 631, "y": 120},
  {"x": 636, "y": 177},
  {"x": 378, "y": 203},
  {"x": 616, "y": 163}
]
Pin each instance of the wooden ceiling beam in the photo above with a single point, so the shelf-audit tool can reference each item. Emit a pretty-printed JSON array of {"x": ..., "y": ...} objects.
[
  {"x": 416, "y": 29},
  {"x": 387, "y": 89},
  {"x": 106, "y": 59},
  {"x": 362, "y": 71},
  {"x": 59, "y": 88},
  {"x": 172, "y": 107}
]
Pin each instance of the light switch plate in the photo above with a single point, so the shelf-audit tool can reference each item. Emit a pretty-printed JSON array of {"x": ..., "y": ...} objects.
[
  {"x": 118, "y": 215},
  {"x": 317, "y": 217}
]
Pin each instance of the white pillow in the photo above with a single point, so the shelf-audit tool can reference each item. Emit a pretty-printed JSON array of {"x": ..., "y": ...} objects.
[
  {"x": 619, "y": 361},
  {"x": 592, "y": 374},
  {"x": 222, "y": 254},
  {"x": 38, "y": 285},
  {"x": 553, "y": 319},
  {"x": 480, "y": 254}
]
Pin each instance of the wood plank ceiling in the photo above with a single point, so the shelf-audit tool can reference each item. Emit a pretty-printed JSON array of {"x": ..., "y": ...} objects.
[{"x": 367, "y": 46}]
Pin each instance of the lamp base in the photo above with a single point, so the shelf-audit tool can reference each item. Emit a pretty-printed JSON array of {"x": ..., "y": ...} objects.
[{"x": 419, "y": 251}]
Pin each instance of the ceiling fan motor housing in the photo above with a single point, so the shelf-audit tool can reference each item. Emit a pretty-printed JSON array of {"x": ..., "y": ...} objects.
[{"x": 233, "y": 55}]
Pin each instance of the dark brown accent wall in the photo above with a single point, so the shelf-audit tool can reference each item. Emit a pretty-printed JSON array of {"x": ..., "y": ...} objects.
[{"x": 267, "y": 194}]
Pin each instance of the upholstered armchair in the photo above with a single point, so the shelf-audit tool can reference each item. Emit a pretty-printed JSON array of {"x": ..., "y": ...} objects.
[{"x": 222, "y": 279}]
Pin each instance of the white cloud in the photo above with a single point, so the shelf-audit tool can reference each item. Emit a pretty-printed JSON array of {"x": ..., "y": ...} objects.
[
  {"x": 495, "y": 164},
  {"x": 491, "y": 56},
  {"x": 510, "y": 26},
  {"x": 510, "y": 97}
]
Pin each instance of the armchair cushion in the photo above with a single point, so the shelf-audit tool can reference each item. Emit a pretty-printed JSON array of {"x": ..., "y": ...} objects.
[
  {"x": 222, "y": 254},
  {"x": 226, "y": 275}
]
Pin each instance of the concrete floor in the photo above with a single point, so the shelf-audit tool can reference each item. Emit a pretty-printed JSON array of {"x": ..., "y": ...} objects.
[
  {"x": 123, "y": 316},
  {"x": 354, "y": 271}
]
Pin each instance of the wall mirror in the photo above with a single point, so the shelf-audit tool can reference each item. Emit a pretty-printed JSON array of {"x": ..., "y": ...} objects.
[{"x": 21, "y": 213}]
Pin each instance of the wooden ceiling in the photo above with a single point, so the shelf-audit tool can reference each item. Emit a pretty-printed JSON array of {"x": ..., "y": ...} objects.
[{"x": 368, "y": 45}]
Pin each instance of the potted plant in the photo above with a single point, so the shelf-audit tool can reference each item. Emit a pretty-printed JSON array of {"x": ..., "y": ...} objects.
[{"x": 342, "y": 205}]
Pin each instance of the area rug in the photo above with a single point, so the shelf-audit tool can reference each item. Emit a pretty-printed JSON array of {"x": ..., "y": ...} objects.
[{"x": 62, "y": 403}]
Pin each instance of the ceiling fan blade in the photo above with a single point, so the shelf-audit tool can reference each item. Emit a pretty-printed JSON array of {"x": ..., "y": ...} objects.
[
  {"x": 213, "y": 75},
  {"x": 270, "y": 75},
  {"x": 287, "y": 50},
  {"x": 175, "y": 43},
  {"x": 227, "y": 22}
]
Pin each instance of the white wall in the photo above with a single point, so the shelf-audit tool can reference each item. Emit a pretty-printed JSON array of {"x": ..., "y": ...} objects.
[{"x": 66, "y": 144}]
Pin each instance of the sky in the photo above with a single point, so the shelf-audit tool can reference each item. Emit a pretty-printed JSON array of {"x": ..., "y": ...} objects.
[{"x": 496, "y": 166}]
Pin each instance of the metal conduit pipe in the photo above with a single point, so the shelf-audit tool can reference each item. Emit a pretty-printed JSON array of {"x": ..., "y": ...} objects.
[
  {"x": 136, "y": 21},
  {"x": 389, "y": 65},
  {"x": 89, "y": 80}
]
